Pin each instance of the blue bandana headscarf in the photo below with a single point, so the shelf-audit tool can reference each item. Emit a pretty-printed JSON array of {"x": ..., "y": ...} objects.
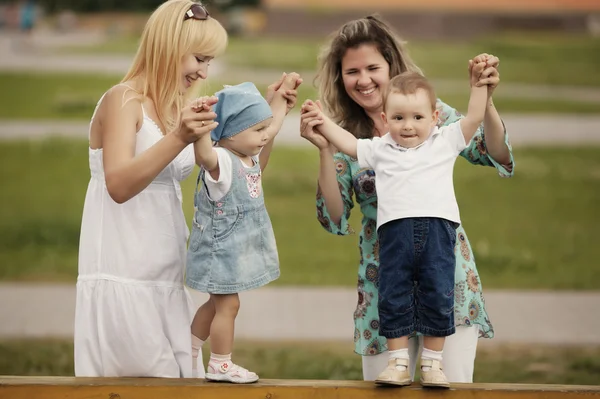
[{"x": 239, "y": 108}]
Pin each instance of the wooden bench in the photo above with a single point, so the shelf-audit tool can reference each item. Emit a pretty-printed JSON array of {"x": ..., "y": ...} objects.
[{"x": 163, "y": 388}]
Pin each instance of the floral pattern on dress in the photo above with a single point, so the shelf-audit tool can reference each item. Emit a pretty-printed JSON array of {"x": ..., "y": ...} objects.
[
  {"x": 253, "y": 183},
  {"x": 465, "y": 250},
  {"x": 358, "y": 186},
  {"x": 365, "y": 183},
  {"x": 364, "y": 301}
]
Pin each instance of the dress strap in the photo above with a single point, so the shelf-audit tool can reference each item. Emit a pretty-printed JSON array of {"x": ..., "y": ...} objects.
[
  {"x": 94, "y": 115},
  {"x": 97, "y": 106},
  {"x": 196, "y": 192},
  {"x": 141, "y": 103}
]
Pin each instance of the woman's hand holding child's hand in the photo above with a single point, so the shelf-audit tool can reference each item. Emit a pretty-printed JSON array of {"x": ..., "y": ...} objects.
[
  {"x": 475, "y": 70},
  {"x": 197, "y": 119},
  {"x": 286, "y": 86},
  {"x": 311, "y": 116},
  {"x": 490, "y": 75}
]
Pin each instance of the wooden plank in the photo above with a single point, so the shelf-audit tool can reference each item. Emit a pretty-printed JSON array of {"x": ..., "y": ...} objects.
[{"x": 159, "y": 388}]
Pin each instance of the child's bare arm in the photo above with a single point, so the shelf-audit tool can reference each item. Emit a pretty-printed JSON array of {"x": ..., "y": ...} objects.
[
  {"x": 477, "y": 104},
  {"x": 205, "y": 154},
  {"x": 279, "y": 104},
  {"x": 343, "y": 140}
]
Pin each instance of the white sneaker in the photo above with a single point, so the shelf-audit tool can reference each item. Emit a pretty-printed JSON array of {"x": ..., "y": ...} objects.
[
  {"x": 396, "y": 373},
  {"x": 434, "y": 377},
  {"x": 229, "y": 372}
]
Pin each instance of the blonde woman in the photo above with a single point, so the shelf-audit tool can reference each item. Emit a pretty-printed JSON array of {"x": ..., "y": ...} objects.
[{"x": 133, "y": 315}]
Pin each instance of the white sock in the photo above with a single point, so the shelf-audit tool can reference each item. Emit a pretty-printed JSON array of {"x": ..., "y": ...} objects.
[
  {"x": 431, "y": 355},
  {"x": 196, "y": 348},
  {"x": 399, "y": 354},
  {"x": 219, "y": 361},
  {"x": 216, "y": 358}
]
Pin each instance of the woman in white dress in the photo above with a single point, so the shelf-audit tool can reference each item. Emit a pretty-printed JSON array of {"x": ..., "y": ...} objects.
[{"x": 133, "y": 315}]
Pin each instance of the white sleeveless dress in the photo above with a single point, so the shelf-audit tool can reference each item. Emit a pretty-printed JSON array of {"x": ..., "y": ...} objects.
[{"x": 133, "y": 314}]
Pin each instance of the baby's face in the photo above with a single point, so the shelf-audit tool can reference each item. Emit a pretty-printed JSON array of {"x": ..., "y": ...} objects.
[
  {"x": 251, "y": 141},
  {"x": 410, "y": 118}
]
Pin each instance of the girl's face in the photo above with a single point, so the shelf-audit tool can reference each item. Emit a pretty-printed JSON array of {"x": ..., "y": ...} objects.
[
  {"x": 193, "y": 67},
  {"x": 365, "y": 74},
  {"x": 251, "y": 141}
]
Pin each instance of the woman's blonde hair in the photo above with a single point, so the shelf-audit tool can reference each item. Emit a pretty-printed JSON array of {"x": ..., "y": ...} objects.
[
  {"x": 340, "y": 107},
  {"x": 166, "y": 39}
]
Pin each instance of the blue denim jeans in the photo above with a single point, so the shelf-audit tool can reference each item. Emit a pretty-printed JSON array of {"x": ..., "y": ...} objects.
[{"x": 416, "y": 277}]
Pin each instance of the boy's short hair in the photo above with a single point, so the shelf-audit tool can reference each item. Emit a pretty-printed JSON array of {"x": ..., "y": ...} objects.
[{"x": 408, "y": 83}]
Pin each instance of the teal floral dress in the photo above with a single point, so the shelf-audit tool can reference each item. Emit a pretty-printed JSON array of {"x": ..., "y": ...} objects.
[{"x": 469, "y": 309}]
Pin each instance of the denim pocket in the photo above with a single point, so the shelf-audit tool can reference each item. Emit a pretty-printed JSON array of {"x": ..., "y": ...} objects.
[
  {"x": 451, "y": 229},
  {"x": 196, "y": 234},
  {"x": 226, "y": 221}
]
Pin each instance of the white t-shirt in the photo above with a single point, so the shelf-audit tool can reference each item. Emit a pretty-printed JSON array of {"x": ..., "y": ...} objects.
[
  {"x": 218, "y": 188},
  {"x": 414, "y": 182}
]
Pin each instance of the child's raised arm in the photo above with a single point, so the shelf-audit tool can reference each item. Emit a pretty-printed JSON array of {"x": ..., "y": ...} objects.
[
  {"x": 205, "y": 154},
  {"x": 342, "y": 139},
  {"x": 279, "y": 104},
  {"x": 280, "y": 107},
  {"x": 477, "y": 104}
]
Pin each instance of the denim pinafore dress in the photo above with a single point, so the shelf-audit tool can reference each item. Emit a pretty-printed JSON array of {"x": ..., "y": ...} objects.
[{"x": 232, "y": 246}]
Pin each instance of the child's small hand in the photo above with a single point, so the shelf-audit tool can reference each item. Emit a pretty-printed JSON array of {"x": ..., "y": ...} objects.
[
  {"x": 203, "y": 103},
  {"x": 476, "y": 67},
  {"x": 289, "y": 90},
  {"x": 197, "y": 120},
  {"x": 290, "y": 81},
  {"x": 311, "y": 109},
  {"x": 490, "y": 75},
  {"x": 311, "y": 117},
  {"x": 286, "y": 87}
]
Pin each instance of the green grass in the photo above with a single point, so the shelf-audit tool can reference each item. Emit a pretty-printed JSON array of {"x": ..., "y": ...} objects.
[
  {"x": 527, "y": 57},
  {"x": 73, "y": 96},
  {"x": 334, "y": 361},
  {"x": 550, "y": 58},
  {"x": 534, "y": 231},
  {"x": 67, "y": 96}
]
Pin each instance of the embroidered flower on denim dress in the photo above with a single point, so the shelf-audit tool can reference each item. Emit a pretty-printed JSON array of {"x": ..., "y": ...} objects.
[{"x": 253, "y": 183}]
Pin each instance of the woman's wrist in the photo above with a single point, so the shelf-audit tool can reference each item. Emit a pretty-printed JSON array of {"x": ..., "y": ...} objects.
[
  {"x": 178, "y": 138},
  {"x": 326, "y": 151}
]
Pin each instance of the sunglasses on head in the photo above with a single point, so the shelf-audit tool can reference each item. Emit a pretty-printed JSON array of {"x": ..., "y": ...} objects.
[{"x": 198, "y": 12}]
